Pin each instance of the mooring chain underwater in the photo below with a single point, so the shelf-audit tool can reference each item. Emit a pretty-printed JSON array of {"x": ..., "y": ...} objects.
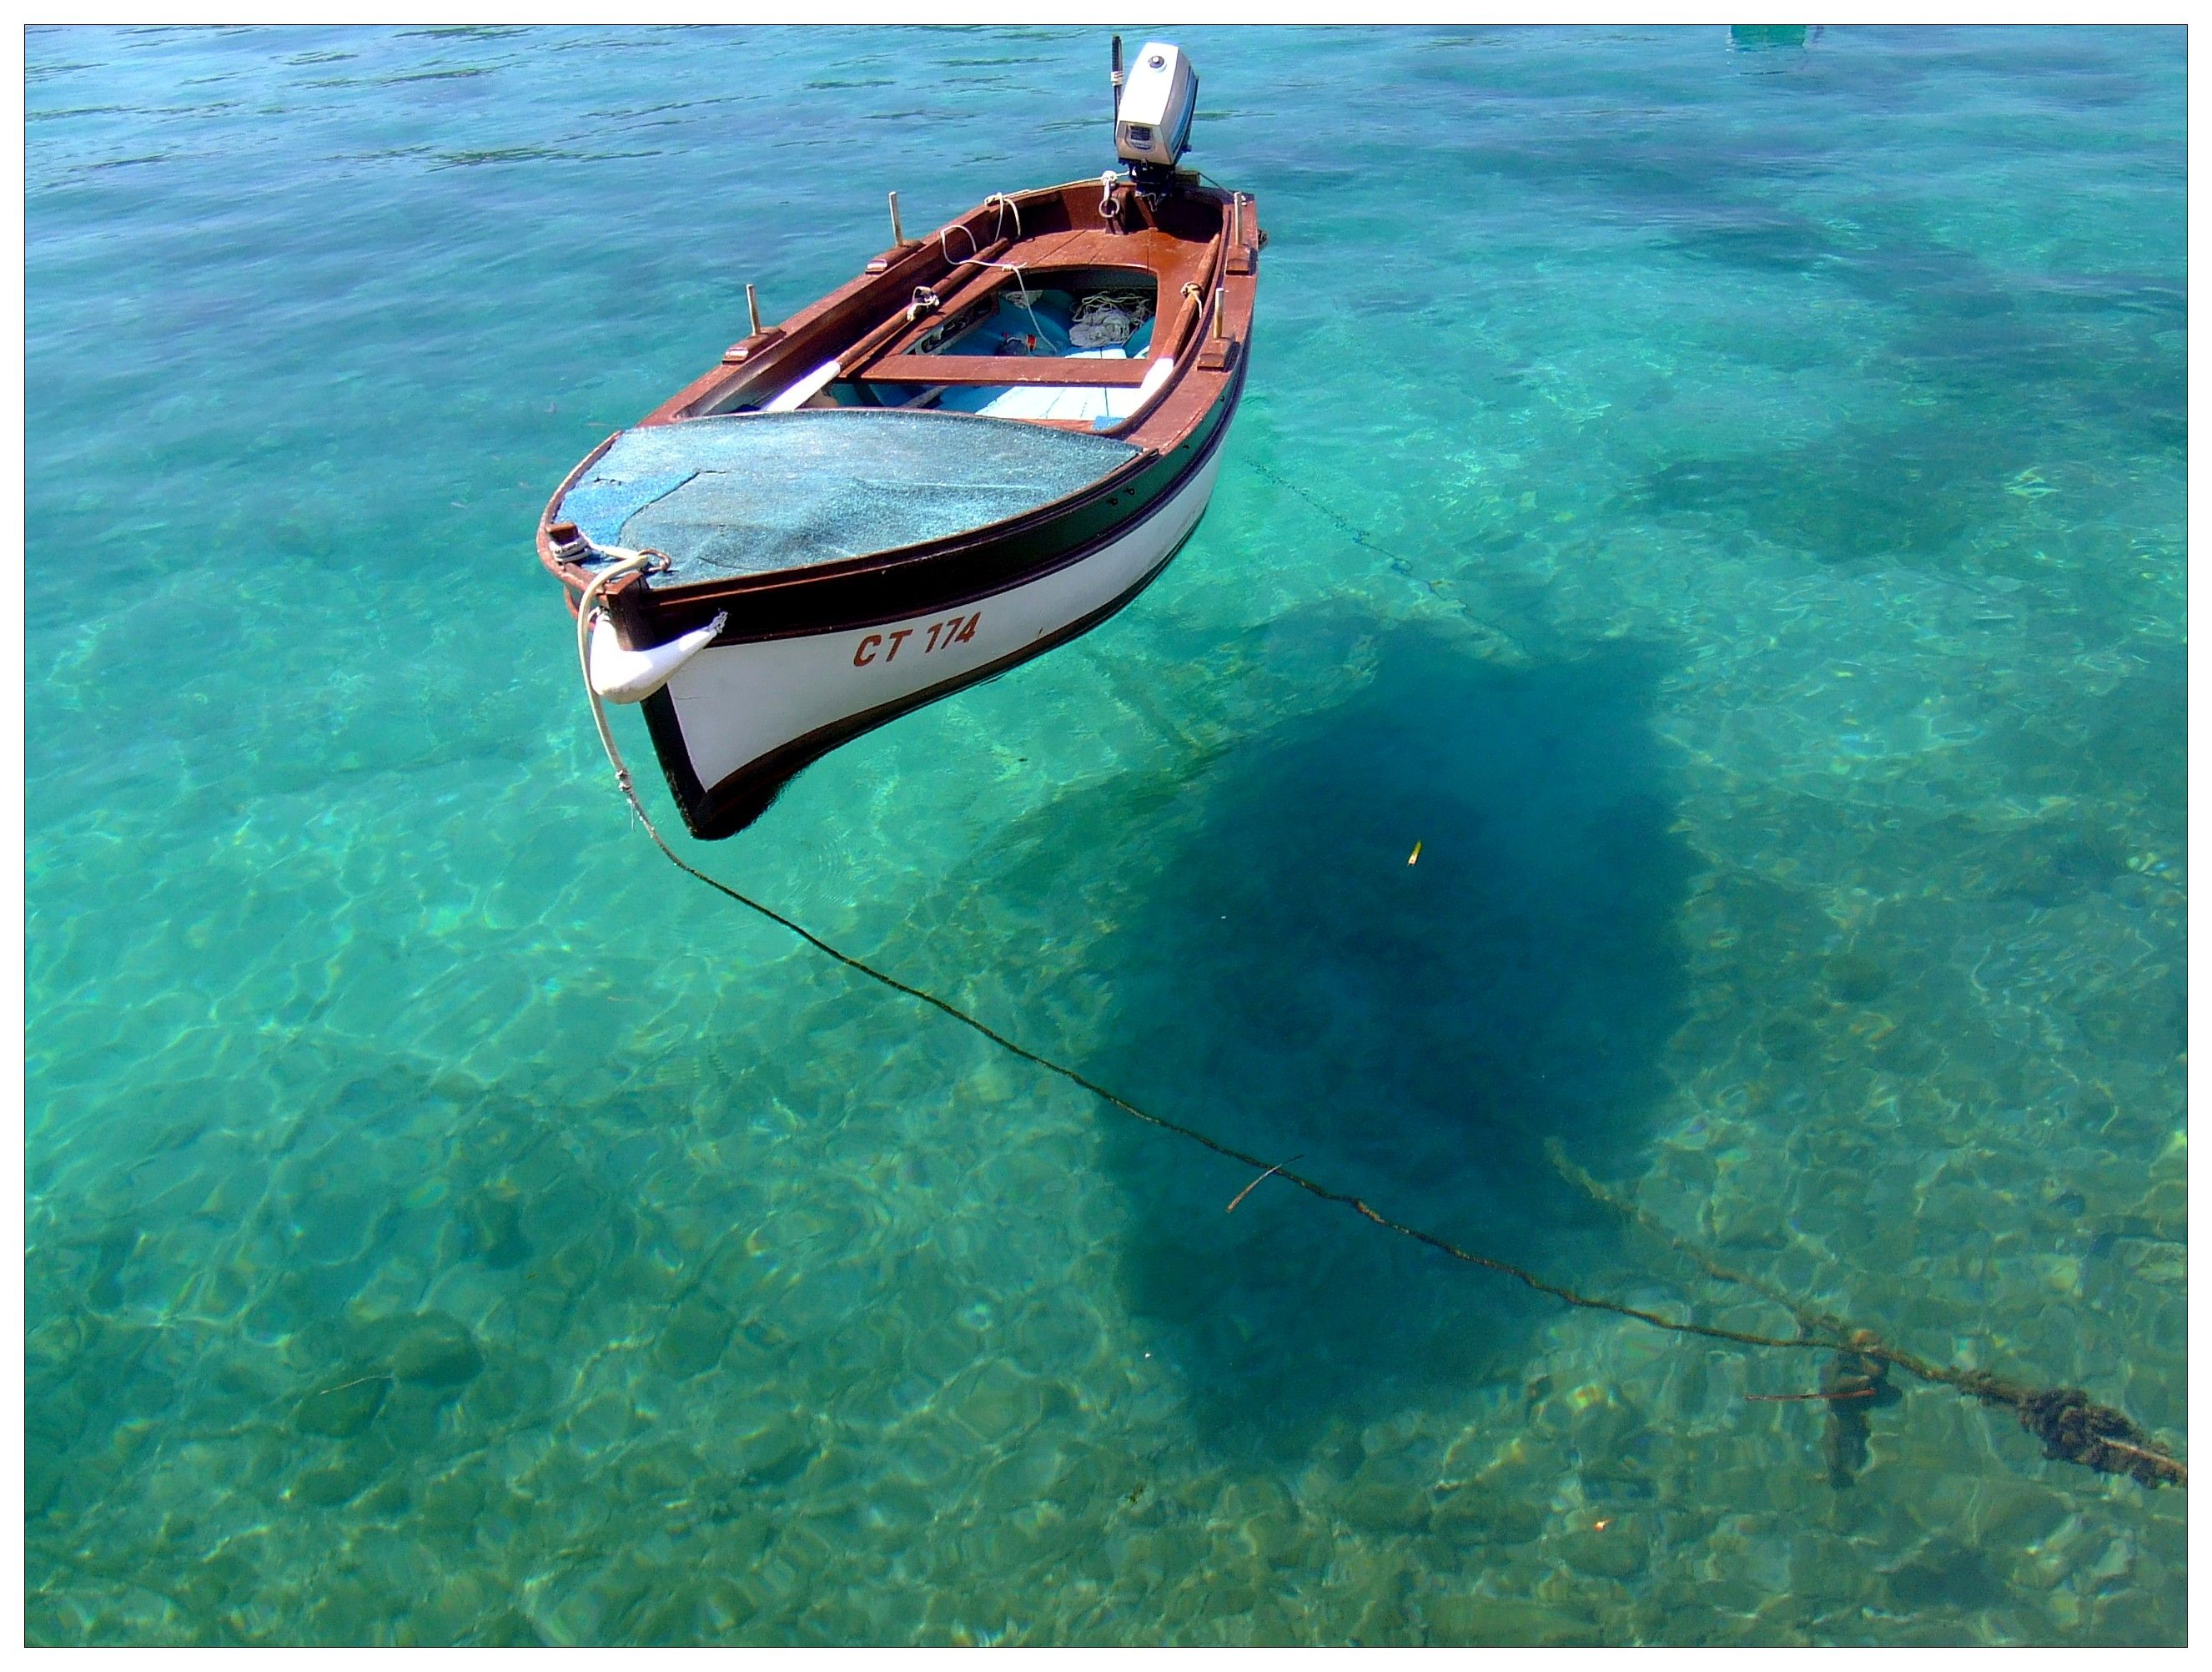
[{"x": 2073, "y": 1427}]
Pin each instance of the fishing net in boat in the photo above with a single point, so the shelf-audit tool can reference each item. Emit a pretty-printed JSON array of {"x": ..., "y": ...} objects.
[
  {"x": 1108, "y": 319},
  {"x": 755, "y": 492}
]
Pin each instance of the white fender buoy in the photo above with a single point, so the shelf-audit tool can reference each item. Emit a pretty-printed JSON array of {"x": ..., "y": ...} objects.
[{"x": 631, "y": 675}]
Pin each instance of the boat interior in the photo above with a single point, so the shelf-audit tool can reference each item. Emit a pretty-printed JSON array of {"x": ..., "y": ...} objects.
[{"x": 1073, "y": 307}]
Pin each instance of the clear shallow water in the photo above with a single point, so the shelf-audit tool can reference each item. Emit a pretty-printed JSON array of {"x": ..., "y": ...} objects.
[{"x": 1726, "y": 505}]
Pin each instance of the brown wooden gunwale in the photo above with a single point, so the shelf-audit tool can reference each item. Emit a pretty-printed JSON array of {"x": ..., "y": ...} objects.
[{"x": 834, "y": 324}]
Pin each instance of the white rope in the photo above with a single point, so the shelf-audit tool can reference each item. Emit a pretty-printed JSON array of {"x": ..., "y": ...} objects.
[
  {"x": 977, "y": 259},
  {"x": 1004, "y": 203},
  {"x": 1106, "y": 319}
]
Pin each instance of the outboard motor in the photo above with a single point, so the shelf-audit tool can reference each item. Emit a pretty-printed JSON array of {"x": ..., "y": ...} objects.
[{"x": 1152, "y": 109}]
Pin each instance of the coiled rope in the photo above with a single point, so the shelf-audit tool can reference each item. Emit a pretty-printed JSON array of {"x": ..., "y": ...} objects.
[{"x": 2073, "y": 1427}]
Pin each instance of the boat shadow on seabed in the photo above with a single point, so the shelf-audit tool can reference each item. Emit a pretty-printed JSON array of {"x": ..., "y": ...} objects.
[{"x": 1417, "y": 1031}]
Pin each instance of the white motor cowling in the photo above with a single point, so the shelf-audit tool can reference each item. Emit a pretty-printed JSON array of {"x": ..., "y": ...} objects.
[{"x": 1152, "y": 119}]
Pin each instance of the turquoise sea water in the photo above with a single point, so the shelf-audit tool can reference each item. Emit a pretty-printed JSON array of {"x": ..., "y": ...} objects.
[{"x": 1725, "y": 501}]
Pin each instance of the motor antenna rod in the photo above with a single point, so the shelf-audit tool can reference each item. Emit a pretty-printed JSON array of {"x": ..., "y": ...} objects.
[{"x": 1117, "y": 78}]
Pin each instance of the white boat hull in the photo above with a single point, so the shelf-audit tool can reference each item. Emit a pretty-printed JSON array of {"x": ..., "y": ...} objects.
[{"x": 736, "y": 706}]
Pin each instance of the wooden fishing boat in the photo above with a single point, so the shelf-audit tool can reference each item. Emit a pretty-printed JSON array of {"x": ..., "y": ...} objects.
[{"x": 986, "y": 444}]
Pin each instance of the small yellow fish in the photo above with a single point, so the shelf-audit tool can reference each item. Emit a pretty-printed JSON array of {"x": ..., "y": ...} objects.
[{"x": 1415, "y": 854}]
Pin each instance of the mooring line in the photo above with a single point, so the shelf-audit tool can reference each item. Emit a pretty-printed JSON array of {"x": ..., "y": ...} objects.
[
  {"x": 1403, "y": 564},
  {"x": 1345, "y": 1198},
  {"x": 2072, "y": 1426},
  {"x": 632, "y": 562},
  {"x": 1356, "y": 535}
]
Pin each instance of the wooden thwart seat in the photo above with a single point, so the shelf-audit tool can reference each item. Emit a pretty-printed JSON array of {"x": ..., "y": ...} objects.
[{"x": 993, "y": 369}]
